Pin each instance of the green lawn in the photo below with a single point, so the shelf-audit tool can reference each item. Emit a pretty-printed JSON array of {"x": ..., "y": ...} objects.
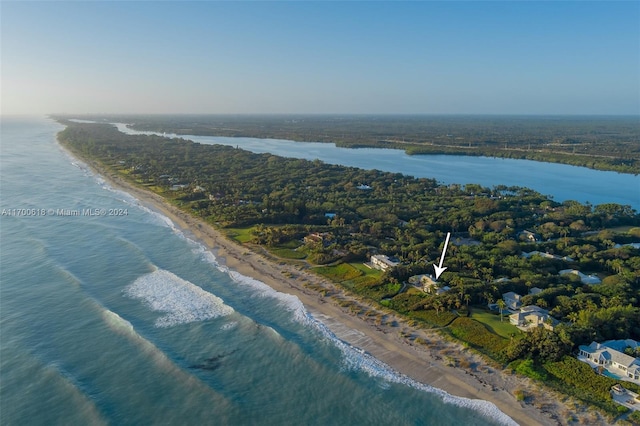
[
  {"x": 492, "y": 321},
  {"x": 241, "y": 235},
  {"x": 365, "y": 270},
  {"x": 340, "y": 272},
  {"x": 288, "y": 253}
]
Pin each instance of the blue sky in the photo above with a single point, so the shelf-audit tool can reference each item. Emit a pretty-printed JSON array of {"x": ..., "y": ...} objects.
[{"x": 321, "y": 57}]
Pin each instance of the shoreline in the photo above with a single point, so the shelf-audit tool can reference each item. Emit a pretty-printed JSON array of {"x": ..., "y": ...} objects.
[{"x": 391, "y": 340}]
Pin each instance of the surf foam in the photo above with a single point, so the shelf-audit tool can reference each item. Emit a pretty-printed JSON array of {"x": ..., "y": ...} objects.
[
  {"x": 356, "y": 359},
  {"x": 181, "y": 301}
]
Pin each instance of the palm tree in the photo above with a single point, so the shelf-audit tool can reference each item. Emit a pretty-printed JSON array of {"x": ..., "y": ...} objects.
[
  {"x": 437, "y": 306},
  {"x": 501, "y": 306},
  {"x": 489, "y": 297},
  {"x": 573, "y": 317}
]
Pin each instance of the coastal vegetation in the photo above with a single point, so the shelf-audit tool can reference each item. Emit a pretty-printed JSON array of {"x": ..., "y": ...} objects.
[
  {"x": 331, "y": 219},
  {"x": 597, "y": 142}
]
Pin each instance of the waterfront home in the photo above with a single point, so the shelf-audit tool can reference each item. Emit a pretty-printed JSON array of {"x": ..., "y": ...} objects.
[
  {"x": 383, "y": 262},
  {"x": 427, "y": 283},
  {"x": 532, "y": 316},
  {"x": 512, "y": 300},
  {"x": 585, "y": 279},
  {"x": 610, "y": 355}
]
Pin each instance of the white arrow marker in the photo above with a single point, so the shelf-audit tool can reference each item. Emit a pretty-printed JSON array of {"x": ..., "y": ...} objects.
[{"x": 440, "y": 269}]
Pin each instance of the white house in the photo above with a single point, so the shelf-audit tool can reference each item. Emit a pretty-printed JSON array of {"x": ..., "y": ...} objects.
[
  {"x": 383, "y": 262},
  {"x": 611, "y": 356},
  {"x": 424, "y": 281},
  {"x": 545, "y": 254},
  {"x": 512, "y": 300},
  {"x": 533, "y": 316},
  {"x": 427, "y": 283},
  {"x": 585, "y": 279}
]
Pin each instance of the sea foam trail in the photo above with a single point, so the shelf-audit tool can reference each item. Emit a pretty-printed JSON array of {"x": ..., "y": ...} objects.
[{"x": 181, "y": 301}]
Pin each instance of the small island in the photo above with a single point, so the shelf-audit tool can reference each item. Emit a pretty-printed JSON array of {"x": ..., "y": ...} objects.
[{"x": 530, "y": 282}]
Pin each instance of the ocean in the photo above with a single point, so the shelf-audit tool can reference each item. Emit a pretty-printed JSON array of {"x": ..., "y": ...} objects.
[{"x": 109, "y": 314}]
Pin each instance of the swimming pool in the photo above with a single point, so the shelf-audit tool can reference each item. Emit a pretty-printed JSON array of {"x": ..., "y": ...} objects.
[{"x": 612, "y": 375}]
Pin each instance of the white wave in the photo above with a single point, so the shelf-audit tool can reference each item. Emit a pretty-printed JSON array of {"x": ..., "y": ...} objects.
[
  {"x": 117, "y": 323},
  {"x": 290, "y": 302},
  {"x": 358, "y": 360},
  {"x": 229, "y": 326},
  {"x": 205, "y": 254},
  {"x": 182, "y": 301},
  {"x": 157, "y": 217}
]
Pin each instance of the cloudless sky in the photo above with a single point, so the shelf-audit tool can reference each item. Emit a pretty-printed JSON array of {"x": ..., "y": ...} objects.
[{"x": 321, "y": 57}]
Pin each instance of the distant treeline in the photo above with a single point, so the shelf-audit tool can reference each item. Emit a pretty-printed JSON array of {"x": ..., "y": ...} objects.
[{"x": 597, "y": 142}]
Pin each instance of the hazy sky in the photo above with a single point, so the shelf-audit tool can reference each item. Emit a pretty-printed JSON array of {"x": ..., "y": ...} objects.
[{"x": 321, "y": 57}]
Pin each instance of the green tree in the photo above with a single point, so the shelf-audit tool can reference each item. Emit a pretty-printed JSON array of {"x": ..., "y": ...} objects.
[{"x": 501, "y": 306}]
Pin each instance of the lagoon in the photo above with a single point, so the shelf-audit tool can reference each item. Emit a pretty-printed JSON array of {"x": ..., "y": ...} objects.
[{"x": 560, "y": 182}]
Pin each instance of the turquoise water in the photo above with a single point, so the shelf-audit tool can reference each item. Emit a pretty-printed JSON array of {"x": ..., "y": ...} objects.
[
  {"x": 124, "y": 320},
  {"x": 561, "y": 182},
  {"x": 609, "y": 374}
]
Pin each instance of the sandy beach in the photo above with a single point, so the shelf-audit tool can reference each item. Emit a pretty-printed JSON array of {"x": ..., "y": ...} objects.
[{"x": 434, "y": 361}]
